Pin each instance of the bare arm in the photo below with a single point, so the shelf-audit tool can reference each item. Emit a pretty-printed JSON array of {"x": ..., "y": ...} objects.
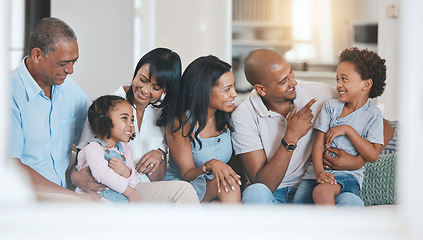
[
  {"x": 269, "y": 173},
  {"x": 317, "y": 153},
  {"x": 132, "y": 194},
  {"x": 181, "y": 152},
  {"x": 369, "y": 151},
  {"x": 153, "y": 164},
  {"x": 272, "y": 172},
  {"x": 85, "y": 181},
  {"x": 160, "y": 171},
  {"x": 43, "y": 185},
  {"x": 345, "y": 161}
]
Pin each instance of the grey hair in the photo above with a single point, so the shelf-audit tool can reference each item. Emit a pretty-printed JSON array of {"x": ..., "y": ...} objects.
[{"x": 47, "y": 33}]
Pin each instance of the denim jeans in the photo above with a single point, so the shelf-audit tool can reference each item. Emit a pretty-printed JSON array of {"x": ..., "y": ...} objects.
[
  {"x": 304, "y": 195},
  {"x": 113, "y": 196},
  {"x": 259, "y": 193}
]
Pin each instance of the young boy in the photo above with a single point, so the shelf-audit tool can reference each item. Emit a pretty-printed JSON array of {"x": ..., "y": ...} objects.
[{"x": 351, "y": 123}]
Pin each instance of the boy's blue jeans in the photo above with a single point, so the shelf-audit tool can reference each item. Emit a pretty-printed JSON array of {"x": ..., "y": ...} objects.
[{"x": 259, "y": 193}]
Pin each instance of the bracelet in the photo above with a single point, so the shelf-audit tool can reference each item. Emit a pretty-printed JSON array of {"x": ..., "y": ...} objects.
[
  {"x": 163, "y": 154},
  {"x": 204, "y": 169}
]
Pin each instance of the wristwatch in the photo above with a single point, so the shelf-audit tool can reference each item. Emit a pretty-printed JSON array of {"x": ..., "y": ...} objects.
[{"x": 289, "y": 146}]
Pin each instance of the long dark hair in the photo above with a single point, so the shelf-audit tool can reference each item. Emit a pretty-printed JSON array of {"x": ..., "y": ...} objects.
[
  {"x": 165, "y": 66},
  {"x": 194, "y": 98}
]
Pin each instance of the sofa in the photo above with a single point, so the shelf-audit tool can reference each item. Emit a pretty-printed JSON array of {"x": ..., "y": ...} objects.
[{"x": 379, "y": 185}]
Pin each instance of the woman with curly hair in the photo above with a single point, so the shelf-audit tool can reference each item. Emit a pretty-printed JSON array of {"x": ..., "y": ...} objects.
[{"x": 351, "y": 123}]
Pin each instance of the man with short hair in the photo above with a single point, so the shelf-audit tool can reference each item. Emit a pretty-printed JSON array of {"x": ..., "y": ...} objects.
[
  {"x": 47, "y": 108},
  {"x": 273, "y": 134}
]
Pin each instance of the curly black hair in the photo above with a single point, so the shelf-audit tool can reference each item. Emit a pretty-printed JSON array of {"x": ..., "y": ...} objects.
[
  {"x": 369, "y": 65},
  {"x": 98, "y": 115}
]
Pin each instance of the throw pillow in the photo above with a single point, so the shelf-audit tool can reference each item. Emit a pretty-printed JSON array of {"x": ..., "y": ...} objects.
[{"x": 379, "y": 181}]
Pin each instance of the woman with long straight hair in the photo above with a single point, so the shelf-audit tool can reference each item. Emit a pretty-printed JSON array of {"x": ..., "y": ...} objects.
[{"x": 200, "y": 139}]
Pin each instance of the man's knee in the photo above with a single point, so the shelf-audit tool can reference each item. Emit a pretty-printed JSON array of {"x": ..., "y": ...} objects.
[
  {"x": 257, "y": 193},
  {"x": 304, "y": 192}
]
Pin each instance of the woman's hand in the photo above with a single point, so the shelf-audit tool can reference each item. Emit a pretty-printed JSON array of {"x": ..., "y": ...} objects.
[
  {"x": 117, "y": 165},
  {"x": 85, "y": 181},
  {"x": 226, "y": 177},
  {"x": 150, "y": 162}
]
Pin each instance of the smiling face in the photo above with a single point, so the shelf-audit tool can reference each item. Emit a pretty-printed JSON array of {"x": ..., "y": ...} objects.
[
  {"x": 123, "y": 123},
  {"x": 223, "y": 94},
  {"x": 145, "y": 90},
  {"x": 279, "y": 84},
  {"x": 53, "y": 68},
  {"x": 350, "y": 85}
]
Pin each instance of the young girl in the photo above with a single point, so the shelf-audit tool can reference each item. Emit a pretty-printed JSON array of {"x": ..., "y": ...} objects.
[
  {"x": 200, "y": 142},
  {"x": 109, "y": 154},
  {"x": 351, "y": 123}
]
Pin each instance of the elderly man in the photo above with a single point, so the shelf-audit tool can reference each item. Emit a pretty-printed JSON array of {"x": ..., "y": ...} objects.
[{"x": 47, "y": 108}]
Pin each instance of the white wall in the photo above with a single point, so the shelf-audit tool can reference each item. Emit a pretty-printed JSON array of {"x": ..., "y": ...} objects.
[
  {"x": 387, "y": 40},
  {"x": 195, "y": 28},
  {"x": 346, "y": 11},
  {"x": 104, "y": 29}
]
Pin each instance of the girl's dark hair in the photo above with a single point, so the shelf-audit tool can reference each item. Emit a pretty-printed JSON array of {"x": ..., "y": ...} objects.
[
  {"x": 98, "y": 115},
  {"x": 369, "y": 65},
  {"x": 194, "y": 98},
  {"x": 165, "y": 67}
]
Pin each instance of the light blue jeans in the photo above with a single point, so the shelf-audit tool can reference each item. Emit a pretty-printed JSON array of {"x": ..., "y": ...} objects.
[
  {"x": 304, "y": 195},
  {"x": 259, "y": 193},
  {"x": 113, "y": 196}
]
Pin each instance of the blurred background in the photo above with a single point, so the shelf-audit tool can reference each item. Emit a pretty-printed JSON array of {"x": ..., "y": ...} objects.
[{"x": 113, "y": 35}]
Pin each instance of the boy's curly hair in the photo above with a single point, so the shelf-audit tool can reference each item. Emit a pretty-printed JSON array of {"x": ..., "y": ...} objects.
[
  {"x": 98, "y": 115},
  {"x": 369, "y": 65}
]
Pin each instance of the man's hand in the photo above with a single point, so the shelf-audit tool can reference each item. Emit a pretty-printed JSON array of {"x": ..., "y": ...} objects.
[
  {"x": 342, "y": 160},
  {"x": 85, "y": 181},
  {"x": 90, "y": 197},
  {"x": 345, "y": 161},
  {"x": 299, "y": 122}
]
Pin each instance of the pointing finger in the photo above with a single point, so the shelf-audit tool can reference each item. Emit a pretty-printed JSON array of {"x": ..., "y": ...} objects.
[{"x": 308, "y": 105}]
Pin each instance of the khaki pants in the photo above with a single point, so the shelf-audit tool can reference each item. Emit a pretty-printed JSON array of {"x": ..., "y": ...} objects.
[{"x": 178, "y": 192}]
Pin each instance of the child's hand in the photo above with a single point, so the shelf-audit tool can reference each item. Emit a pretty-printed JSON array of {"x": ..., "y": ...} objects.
[
  {"x": 335, "y": 132},
  {"x": 119, "y": 167},
  {"x": 131, "y": 194},
  {"x": 325, "y": 177}
]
